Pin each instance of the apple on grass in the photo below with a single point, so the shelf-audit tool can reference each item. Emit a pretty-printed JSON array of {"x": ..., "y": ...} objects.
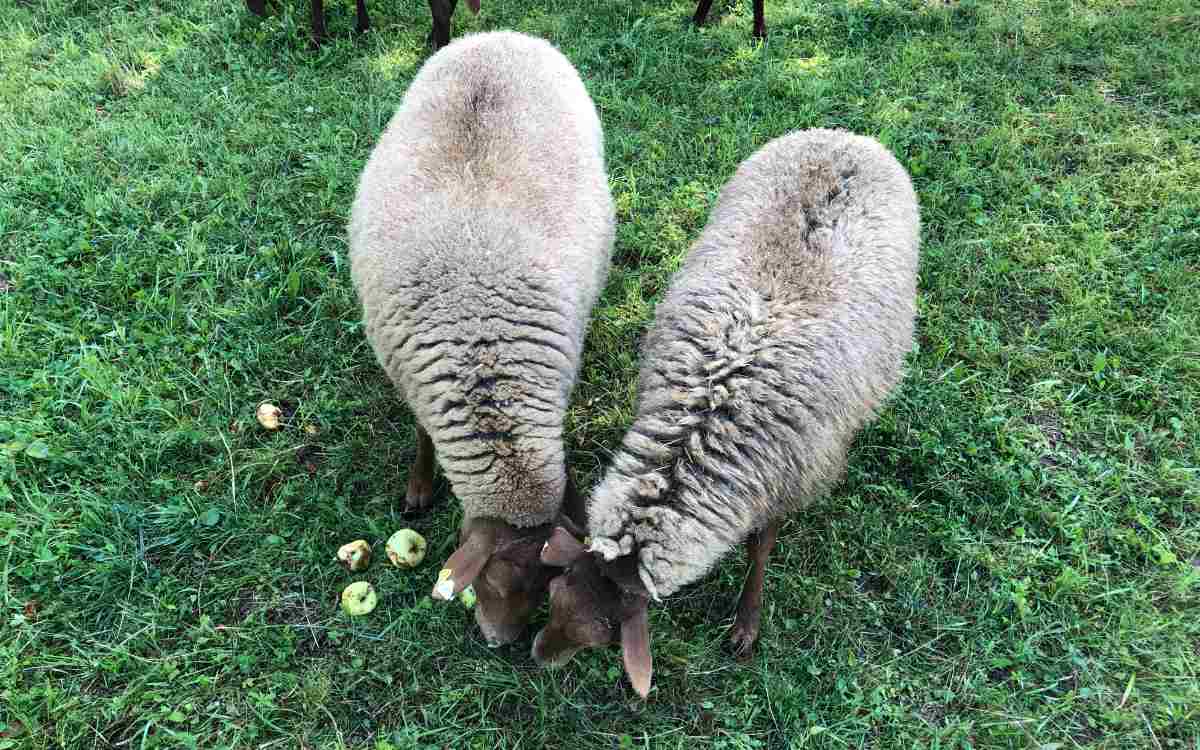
[
  {"x": 355, "y": 556},
  {"x": 359, "y": 598},
  {"x": 406, "y": 548},
  {"x": 268, "y": 415}
]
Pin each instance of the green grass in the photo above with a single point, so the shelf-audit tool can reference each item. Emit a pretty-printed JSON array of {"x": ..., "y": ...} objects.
[{"x": 1012, "y": 562}]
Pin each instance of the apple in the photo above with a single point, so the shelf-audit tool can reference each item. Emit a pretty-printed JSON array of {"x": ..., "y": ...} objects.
[
  {"x": 359, "y": 598},
  {"x": 355, "y": 556},
  {"x": 467, "y": 597},
  {"x": 268, "y": 416},
  {"x": 406, "y": 548}
]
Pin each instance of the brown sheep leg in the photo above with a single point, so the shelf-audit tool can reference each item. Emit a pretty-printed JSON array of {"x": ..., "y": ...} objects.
[
  {"x": 420, "y": 476},
  {"x": 318, "y": 22},
  {"x": 745, "y": 628},
  {"x": 760, "y": 20},
  {"x": 574, "y": 504},
  {"x": 441, "y": 10},
  {"x": 364, "y": 21}
]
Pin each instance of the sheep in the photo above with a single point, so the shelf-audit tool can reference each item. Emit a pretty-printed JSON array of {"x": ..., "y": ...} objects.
[
  {"x": 480, "y": 237},
  {"x": 760, "y": 21},
  {"x": 779, "y": 338},
  {"x": 439, "y": 35}
]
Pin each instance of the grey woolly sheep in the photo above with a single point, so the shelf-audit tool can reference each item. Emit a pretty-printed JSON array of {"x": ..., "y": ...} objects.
[
  {"x": 480, "y": 238},
  {"x": 779, "y": 338}
]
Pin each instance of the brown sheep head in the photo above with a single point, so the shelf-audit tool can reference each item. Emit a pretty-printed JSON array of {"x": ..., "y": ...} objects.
[
  {"x": 589, "y": 603},
  {"x": 502, "y": 562}
]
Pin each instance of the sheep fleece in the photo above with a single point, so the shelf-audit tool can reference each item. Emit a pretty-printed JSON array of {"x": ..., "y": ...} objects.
[
  {"x": 780, "y": 336},
  {"x": 480, "y": 237}
]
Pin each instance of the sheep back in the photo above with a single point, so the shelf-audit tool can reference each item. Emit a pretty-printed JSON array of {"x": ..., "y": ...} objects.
[
  {"x": 480, "y": 238},
  {"x": 780, "y": 336}
]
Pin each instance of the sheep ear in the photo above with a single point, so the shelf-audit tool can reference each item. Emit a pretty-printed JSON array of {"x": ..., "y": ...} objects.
[
  {"x": 562, "y": 548},
  {"x": 635, "y": 648},
  {"x": 473, "y": 5},
  {"x": 463, "y": 567}
]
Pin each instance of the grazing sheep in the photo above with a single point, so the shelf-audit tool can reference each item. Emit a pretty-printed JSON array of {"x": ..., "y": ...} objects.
[
  {"x": 780, "y": 337},
  {"x": 760, "y": 21},
  {"x": 480, "y": 238},
  {"x": 439, "y": 35}
]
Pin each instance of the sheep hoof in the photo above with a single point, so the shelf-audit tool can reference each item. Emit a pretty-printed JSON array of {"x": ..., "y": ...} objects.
[
  {"x": 419, "y": 496},
  {"x": 742, "y": 637}
]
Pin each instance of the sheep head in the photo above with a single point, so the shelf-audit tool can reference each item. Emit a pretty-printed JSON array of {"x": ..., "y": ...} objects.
[
  {"x": 589, "y": 602},
  {"x": 502, "y": 562}
]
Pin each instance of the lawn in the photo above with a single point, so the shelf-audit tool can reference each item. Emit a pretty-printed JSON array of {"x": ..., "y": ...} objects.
[{"x": 1013, "y": 560}]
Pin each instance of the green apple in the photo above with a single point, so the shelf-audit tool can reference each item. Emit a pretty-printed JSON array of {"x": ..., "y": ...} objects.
[
  {"x": 355, "y": 556},
  {"x": 406, "y": 548},
  {"x": 467, "y": 597},
  {"x": 359, "y": 599}
]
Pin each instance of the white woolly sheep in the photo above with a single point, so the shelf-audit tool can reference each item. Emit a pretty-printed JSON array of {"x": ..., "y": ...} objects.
[
  {"x": 778, "y": 340},
  {"x": 480, "y": 238}
]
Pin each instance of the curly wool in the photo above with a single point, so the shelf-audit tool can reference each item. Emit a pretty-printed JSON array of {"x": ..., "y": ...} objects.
[
  {"x": 480, "y": 237},
  {"x": 779, "y": 338}
]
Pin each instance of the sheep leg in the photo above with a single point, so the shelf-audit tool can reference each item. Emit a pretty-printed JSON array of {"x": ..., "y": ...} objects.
[
  {"x": 702, "y": 12},
  {"x": 760, "y": 20},
  {"x": 364, "y": 21},
  {"x": 420, "y": 476},
  {"x": 574, "y": 505},
  {"x": 257, "y": 7},
  {"x": 318, "y": 22},
  {"x": 745, "y": 628},
  {"x": 441, "y": 10}
]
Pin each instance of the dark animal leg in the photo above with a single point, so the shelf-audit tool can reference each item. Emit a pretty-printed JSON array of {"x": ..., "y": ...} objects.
[
  {"x": 318, "y": 22},
  {"x": 574, "y": 505},
  {"x": 364, "y": 21},
  {"x": 441, "y": 10},
  {"x": 702, "y": 12},
  {"x": 257, "y": 7},
  {"x": 745, "y": 628},
  {"x": 420, "y": 476},
  {"x": 760, "y": 20}
]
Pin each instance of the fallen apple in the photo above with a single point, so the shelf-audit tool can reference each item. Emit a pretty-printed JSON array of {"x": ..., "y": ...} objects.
[
  {"x": 467, "y": 597},
  {"x": 406, "y": 548},
  {"x": 355, "y": 556},
  {"x": 444, "y": 589},
  {"x": 359, "y": 599},
  {"x": 268, "y": 415}
]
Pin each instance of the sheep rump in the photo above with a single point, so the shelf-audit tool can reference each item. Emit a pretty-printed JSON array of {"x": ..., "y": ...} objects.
[
  {"x": 779, "y": 338},
  {"x": 480, "y": 238}
]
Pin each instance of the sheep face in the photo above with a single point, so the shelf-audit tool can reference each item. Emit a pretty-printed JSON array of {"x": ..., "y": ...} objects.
[
  {"x": 501, "y": 561},
  {"x": 584, "y": 613},
  {"x": 588, "y": 603}
]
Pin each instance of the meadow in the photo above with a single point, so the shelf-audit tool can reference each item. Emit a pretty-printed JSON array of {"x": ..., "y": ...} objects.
[{"x": 1013, "y": 560}]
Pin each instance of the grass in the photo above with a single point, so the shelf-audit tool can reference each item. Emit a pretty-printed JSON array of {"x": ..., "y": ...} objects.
[{"x": 1012, "y": 562}]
